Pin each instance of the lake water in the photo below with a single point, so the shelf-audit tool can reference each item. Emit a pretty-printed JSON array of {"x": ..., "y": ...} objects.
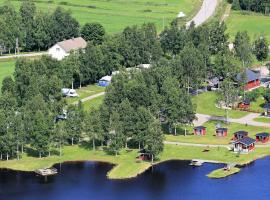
[{"x": 170, "y": 180}]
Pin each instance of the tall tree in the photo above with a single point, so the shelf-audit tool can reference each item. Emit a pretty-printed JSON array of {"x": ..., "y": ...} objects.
[
  {"x": 93, "y": 32},
  {"x": 92, "y": 127},
  {"x": 261, "y": 48}
]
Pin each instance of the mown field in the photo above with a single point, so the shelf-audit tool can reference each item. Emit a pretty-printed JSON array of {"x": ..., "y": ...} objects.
[
  {"x": 6, "y": 68},
  {"x": 255, "y": 24},
  {"x": 117, "y": 14}
]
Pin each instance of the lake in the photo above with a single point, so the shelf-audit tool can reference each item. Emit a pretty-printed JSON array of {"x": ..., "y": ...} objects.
[{"x": 169, "y": 180}]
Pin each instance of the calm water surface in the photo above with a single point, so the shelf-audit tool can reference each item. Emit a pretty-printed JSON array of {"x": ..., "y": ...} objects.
[{"x": 170, "y": 180}]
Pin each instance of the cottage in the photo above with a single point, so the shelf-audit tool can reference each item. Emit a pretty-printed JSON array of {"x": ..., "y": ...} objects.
[
  {"x": 250, "y": 78},
  {"x": 267, "y": 110},
  {"x": 199, "y": 130},
  {"x": 244, "y": 105},
  {"x": 105, "y": 81},
  {"x": 262, "y": 137},
  {"x": 244, "y": 145},
  {"x": 240, "y": 135},
  {"x": 221, "y": 132},
  {"x": 63, "y": 49}
]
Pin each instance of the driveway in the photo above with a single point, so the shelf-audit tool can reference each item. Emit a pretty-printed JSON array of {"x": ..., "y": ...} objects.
[{"x": 207, "y": 10}]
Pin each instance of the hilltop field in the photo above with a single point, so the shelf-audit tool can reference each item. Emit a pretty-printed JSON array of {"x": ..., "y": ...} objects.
[
  {"x": 118, "y": 14},
  {"x": 254, "y": 23}
]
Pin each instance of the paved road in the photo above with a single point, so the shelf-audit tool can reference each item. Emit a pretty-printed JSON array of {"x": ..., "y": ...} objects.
[
  {"x": 24, "y": 55},
  {"x": 207, "y": 10},
  {"x": 248, "y": 119},
  {"x": 89, "y": 98}
]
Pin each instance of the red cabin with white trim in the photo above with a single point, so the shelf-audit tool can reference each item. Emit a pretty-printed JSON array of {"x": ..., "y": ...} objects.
[
  {"x": 200, "y": 130},
  {"x": 221, "y": 132},
  {"x": 262, "y": 137}
]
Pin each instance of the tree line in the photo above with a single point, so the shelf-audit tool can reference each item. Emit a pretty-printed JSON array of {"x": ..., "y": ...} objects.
[{"x": 262, "y": 6}]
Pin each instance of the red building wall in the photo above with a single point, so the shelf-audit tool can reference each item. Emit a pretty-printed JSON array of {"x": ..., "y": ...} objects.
[{"x": 252, "y": 84}]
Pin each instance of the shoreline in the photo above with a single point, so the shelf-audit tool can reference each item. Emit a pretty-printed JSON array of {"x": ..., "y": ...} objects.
[{"x": 125, "y": 165}]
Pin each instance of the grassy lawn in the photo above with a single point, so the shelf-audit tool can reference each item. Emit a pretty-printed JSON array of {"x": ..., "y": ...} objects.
[
  {"x": 258, "y": 105},
  {"x": 206, "y": 105},
  {"x": 126, "y": 163},
  {"x": 94, "y": 103},
  {"x": 116, "y": 15},
  {"x": 255, "y": 24},
  {"x": 210, "y": 137},
  {"x": 85, "y": 92},
  {"x": 6, "y": 68},
  {"x": 262, "y": 119},
  {"x": 221, "y": 173}
]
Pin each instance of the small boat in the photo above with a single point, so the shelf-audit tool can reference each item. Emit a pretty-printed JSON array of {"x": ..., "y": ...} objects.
[
  {"x": 196, "y": 163},
  {"x": 46, "y": 172}
]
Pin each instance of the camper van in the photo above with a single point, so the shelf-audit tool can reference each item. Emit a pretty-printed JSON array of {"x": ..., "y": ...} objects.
[{"x": 69, "y": 92}]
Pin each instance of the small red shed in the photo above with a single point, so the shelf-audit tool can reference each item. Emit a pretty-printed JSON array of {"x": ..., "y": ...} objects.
[
  {"x": 221, "y": 132},
  {"x": 240, "y": 134},
  {"x": 244, "y": 105},
  {"x": 262, "y": 137},
  {"x": 199, "y": 130},
  {"x": 244, "y": 145}
]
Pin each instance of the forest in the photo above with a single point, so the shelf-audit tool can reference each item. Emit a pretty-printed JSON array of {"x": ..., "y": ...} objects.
[
  {"x": 262, "y": 6},
  {"x": 137, "y": 105}
]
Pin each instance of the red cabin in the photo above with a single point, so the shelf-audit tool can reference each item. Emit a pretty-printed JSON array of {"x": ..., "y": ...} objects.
[
  {"x": 199, "y": 130},
  {"x": 240, "y": 134},
  {"x": 262, "y": 137},
  {"x": 245, "y": 105},
  {"x": 221, "y": 132},
  {"x": 244, "y": 145},
  {"x": 250, "y": 78}
]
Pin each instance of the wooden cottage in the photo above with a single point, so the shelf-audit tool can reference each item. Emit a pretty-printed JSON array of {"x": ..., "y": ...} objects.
[
  {"x": 244, "y": 145},
  {"x": 245, "y": 105},
  {"x": 240, "y": 134},
  {"x": 250, "y": 78},
  {"x": 199, "y": 130},
  {"x": 262, "y": 137},
  {"x": 221, "y": 132}
]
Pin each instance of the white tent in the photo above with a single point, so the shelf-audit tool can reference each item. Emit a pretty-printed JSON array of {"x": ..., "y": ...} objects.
[{"x": 181, "y": 15}]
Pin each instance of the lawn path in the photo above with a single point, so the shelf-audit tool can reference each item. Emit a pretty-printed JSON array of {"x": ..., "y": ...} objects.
[
  {"x": 249, "y": 120},
  {"x": 89, "y": 98},
  {"x": 24, "y": 55},
  {"x": 207, "y": 10}
]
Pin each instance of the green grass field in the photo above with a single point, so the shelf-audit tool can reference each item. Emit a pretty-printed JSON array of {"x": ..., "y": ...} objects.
[
  {"x": 206, "y": 105},
  {"x": 255, "y": 24},
  {"x": 117, "y": 14},
  {"x": 221, "y": 173},
  {"x": 262, "y": 119},
  {"x": 6, "y": 69},
  {"x": 210, "y": 137},
  {"x": 85, "y": 92},
  {"x": 94, "y": 103}
]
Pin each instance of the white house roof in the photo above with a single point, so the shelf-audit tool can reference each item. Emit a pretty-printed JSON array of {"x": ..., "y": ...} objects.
[
  {"x": 73, "y": 44},
  {"x": 144, "y": 66}
]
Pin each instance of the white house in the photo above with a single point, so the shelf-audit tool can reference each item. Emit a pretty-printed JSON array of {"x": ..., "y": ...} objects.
[{"x": 62, "y": 49}]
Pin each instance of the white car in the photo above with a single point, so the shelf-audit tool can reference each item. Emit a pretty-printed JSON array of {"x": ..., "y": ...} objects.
[{"x": 69, "y": 92}]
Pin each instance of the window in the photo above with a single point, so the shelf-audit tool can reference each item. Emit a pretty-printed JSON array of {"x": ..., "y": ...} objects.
[{"x": 57, "y": 49}]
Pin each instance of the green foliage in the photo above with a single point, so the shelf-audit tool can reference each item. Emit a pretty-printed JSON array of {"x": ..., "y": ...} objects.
[
  {"x": 266, "y": 95},
  {"x": 261, "y": 48},
  {"x": 253, "y": 95},
  {"x": 93, "y": 32},
  {"x": 236, "y": 5}
]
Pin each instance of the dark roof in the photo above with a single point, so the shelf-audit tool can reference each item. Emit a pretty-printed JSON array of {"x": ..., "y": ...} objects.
[
  {"x": 250, "y": 75},
  {"x": 241, "y": 133},
  {"x": 221, "y": 129},
  {"x": 263, "y": 134},
  {"x": 199, "y": 127},
  {"x": 266, "y": 106},
  {"x": 246, "y": 141},
  {"x": 246, "y": 101}
]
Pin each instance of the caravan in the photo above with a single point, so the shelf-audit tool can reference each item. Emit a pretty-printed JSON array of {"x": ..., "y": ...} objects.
[{"x": 69, "y": 92}]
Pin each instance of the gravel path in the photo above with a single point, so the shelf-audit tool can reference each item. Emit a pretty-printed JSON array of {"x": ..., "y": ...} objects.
[
  {"x": 24, "y": 55},
  {"x": 249, "y": 120},
  {"x": 89, "y": 98},
  {"x": 207, "y": 10}
]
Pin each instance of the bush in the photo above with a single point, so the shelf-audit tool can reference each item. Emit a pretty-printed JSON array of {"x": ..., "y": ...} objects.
[
  {"x": 266, "y": 95},
  {"x": 253, "y": 95}
]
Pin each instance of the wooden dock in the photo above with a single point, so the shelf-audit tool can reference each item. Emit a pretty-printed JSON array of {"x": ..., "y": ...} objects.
[
  {"x": 46, "y": 172},
  {"x": 198, "y": 162}
]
